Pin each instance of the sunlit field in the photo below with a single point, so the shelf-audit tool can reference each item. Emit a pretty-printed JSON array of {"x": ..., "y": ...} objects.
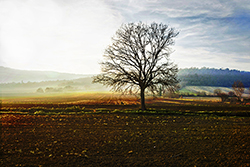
[{"x": 105, "y": 129}]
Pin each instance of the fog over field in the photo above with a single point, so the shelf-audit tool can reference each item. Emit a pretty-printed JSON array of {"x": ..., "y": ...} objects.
[{"x": 193, "y": 80}]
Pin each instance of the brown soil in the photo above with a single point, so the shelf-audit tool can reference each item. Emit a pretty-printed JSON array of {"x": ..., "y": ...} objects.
[
  {"x": 180, "y": 133},
  {"x": 124, "y": 140}
]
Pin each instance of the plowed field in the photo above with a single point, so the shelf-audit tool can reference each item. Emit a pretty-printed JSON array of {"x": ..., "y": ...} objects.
[{"x": 172, "y": 133}]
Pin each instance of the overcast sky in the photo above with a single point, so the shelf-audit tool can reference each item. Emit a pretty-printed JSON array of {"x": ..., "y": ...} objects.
[{"x": 71, "y": 35}]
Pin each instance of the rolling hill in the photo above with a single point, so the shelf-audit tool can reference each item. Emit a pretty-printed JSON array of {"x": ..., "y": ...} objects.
[
  {"x": 213, "y": 77},
  {"x": 192, "y": 80},
  {"x": 8, "y": 75}
]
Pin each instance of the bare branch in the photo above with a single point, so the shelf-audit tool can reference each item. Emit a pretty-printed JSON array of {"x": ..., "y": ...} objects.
[{"x": 138, "y": 59}]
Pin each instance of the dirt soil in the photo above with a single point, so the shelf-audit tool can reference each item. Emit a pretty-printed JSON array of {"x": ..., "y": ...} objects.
[{"x": 124, "y": 140}]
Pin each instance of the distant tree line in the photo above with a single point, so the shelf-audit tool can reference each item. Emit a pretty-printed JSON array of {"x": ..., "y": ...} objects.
[
  {"x": 212, "y": 77},
  {"x": 235, "y": 95},
  {"x": 52, "y": 89}
]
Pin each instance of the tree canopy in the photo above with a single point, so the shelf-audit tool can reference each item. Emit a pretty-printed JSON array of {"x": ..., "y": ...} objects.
[{"x": 138, "y": 60}]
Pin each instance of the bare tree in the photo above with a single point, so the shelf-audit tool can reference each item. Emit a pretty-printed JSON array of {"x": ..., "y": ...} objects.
[
  {"x": 238, "y": 88},
  {"x": 223, "y": 96},
  {"x": 217, "y": 91},
  {"x": 138, "y": 60}
]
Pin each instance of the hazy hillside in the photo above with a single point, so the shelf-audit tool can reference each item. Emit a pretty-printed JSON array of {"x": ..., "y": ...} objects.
[
  {"x": 188, "y": 76},
  {"x": 213, "y": 77},
  {"x": 59, "y": 86},
  {"x": 9, "y": 75},
  {"x": 192, "y": 80}
]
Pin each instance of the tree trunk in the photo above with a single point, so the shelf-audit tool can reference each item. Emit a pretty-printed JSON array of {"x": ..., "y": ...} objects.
[{"x": 143, "y": 107}]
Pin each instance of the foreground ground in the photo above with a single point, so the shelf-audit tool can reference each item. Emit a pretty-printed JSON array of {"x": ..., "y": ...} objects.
[{"x": 80, "y": 133}]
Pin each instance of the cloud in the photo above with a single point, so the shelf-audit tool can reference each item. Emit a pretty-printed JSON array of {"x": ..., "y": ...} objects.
[
  {"x": 212, "y": 33},
  {"x": 71, "y": 35},
  {"x": 57, "y": 35},
  {"x": 201, "y": 57}
]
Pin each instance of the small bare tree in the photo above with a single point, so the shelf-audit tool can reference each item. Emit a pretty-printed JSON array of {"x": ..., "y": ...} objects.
[
  {"x": 138, "y": 60},
  {"x": 238, "y": 88},
  {"x": 223, "y": 96},
  {"x": 217, "y": 91}
]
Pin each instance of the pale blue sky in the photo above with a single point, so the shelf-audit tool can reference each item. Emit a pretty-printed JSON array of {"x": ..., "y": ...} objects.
[{"x": 71, "y": 35}]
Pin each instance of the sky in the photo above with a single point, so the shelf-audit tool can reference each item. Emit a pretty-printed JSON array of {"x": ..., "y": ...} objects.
[{"x": 71, "y": 35}]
